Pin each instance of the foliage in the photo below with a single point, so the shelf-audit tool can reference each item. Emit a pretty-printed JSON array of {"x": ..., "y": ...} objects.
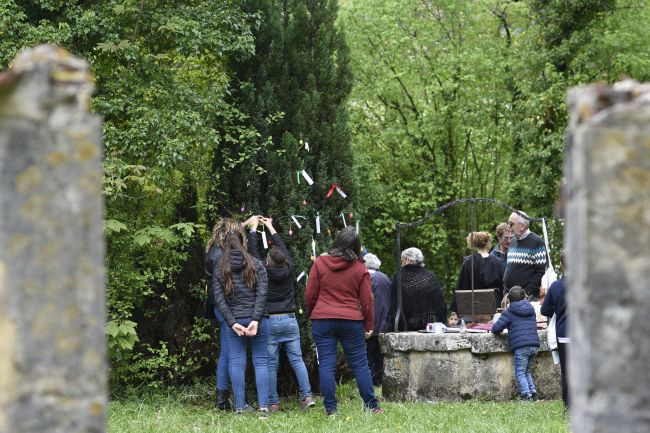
[
  {"x": 190, "y": 410},
  {"x": 162, "y": 80},
  {"x": 467, "y": 99}
]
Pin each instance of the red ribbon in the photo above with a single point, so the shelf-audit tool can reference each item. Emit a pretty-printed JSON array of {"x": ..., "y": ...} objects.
[{"x": 331, "y": 191}]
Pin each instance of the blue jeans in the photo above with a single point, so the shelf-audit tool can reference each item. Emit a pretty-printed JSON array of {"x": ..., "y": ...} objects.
[
  {"x": 237, "y": 362},
  {"x": 284, "y": 331},
  {"x": 222, "y": 364},
  {"x": 351, "y": 335},
  {"x": 524, "y": 358}
]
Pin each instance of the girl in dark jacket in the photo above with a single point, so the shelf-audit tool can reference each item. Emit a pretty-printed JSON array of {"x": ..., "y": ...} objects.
[
  {"x": 213, "y": 253},
  {"x": 240, "y": 288},
  {"x": 284, "y": 331},
  {"x": 481, "y": 270}
]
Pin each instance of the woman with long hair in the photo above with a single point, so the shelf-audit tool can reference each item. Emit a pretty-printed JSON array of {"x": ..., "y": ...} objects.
[
  {"x": 213, "y": 253},
  {"x": 239, "y": 287},
  {"x": 339, "y": 301}
]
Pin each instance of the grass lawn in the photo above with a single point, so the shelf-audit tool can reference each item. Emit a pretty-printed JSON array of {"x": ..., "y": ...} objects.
[{"x": 190, "y": 410}]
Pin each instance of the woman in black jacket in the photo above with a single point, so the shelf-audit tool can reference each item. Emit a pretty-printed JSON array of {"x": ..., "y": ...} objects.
[
  {"x": 283, "y": 326},
  {"x": 481, "y": 270},
  {"x": 240, "y": 289}
]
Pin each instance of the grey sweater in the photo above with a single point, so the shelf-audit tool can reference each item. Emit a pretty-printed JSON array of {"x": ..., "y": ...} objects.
[{"x": 246, "y": 302}]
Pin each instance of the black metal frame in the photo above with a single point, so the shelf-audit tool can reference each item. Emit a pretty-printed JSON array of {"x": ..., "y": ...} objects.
[{"x": 398, "y": 226}]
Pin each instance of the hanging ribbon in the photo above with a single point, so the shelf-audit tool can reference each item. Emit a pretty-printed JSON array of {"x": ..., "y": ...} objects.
[
  {"x": 317, "y": 222},
  {"x": 340, "y": 191},
  {"x": 343, "y": 218},
  {"x": 357, "y": 227},
  {"x": 264, "y": 242},
  {"x": 309, "y": 180},
  {"x": 331, "y": 191},
  {"x": 313, "y": 247},
  {"x": 298, "y": 176},
  {"x": 302, "y": 274},
  {"x": 293, "y": 217}
]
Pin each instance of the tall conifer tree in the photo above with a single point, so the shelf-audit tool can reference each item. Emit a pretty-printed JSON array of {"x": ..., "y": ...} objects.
[{"x": 294, "y": 92}]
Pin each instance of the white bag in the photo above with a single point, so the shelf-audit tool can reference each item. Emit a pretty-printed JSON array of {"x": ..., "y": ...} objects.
[
  {"x": 549, "y": 278},
  {"x": 552, "y": 340}
]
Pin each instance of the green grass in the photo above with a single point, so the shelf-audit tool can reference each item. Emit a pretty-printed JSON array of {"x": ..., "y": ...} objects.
[{"x": 190, "y": 410}]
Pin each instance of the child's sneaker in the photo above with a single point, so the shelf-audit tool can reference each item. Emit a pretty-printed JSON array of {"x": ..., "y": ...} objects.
[
  {"x": 275, "y": 407},
  {"x": 377, "y": 410},
  {"x": 331, "y": 413},
  {"x": 307, "y": 402},
  {"x": 534, "y": 396},
  {"x": 527, "y": 398}
]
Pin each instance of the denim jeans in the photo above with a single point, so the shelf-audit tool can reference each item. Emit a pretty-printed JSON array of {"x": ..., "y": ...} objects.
[
  {"x": 351, "y": 334},
  {"x": 524, "y": 358},
  {"x": 237, "y": 362},
  {"x": 223, "y": 378},
  {"x": 284, "y": 332}
]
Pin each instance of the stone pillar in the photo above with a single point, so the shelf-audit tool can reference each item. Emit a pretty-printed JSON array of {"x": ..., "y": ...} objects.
[
  {"x": 607, "y": 210},
  {"x": 52, "y": 344}
]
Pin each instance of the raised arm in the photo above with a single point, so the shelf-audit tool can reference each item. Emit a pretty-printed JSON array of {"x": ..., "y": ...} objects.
[{"x": 277, "y": 240}]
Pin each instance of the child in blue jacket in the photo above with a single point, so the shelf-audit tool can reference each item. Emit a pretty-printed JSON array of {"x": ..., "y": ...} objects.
[{"x": 520, "y": 320}]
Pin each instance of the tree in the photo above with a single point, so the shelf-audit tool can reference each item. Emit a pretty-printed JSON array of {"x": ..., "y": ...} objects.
[{"x": 294, "y": 94}]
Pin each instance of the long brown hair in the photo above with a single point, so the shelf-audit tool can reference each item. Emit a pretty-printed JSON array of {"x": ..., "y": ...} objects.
[
  {"x": 221, "y": 229},
  {"x": 234, "y": 240}
]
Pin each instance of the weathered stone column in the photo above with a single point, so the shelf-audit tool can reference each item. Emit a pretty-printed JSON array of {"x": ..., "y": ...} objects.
[
  {"x": 52, "y": 345},
  {"x": 607, "y": 202}
]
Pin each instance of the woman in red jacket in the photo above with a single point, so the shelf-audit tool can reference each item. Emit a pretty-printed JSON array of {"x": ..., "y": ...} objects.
[{"x": 339, "y": 301}]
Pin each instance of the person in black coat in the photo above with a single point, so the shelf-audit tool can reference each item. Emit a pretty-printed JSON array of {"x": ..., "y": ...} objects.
[
  {"x": 284, "y": 331},
  {"x": 239, "y": 287},
  {"x": 555, "y": 303},
  {"x": 213, "y": 253},
  {"x": 482, "y": 268},
  {"x": 422, "y": 300}
]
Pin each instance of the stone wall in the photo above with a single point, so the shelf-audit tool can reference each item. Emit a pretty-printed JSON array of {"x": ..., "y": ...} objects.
[
  {"x": 452, "y": 367},
  {"x": 52, "y": 344},
  {"x": 607, "y": 211}
]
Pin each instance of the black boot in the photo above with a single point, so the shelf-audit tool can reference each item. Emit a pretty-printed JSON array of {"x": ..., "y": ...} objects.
[{"x": 223, "y": 403}]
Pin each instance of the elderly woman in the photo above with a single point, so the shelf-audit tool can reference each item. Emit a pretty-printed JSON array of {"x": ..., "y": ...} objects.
[{"x": 422, "y": 300}]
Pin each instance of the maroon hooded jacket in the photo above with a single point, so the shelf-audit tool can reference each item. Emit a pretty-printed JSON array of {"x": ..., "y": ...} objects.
[{"x": 338, "y": 289}]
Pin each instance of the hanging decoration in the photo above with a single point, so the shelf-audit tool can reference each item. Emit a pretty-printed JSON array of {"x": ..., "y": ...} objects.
[
  {"x": 317, "y": 222},
  {"x": 357, "y": 227},
  {"x": 302, "y": 274},
  {"x": 343, "y": 218},
  {"x": 307, "y": 177},
  {"x": 264, "y": 242},
  {"x": 293, "y": 217}
]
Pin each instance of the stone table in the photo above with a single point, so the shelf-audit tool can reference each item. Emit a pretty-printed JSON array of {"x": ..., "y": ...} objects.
[{"x": 428, "y": 367}]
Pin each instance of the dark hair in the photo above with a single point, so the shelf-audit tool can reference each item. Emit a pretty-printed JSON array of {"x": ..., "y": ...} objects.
[
  {"x": 347, "y": 245},
  {"x": 516, "y": 293},
  {"x": 235, "y": 241},
  {"x": 277, "y": 258}
]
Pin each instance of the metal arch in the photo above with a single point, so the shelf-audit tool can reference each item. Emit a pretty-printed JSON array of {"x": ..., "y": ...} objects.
[{"x": 399, "y": 315}]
